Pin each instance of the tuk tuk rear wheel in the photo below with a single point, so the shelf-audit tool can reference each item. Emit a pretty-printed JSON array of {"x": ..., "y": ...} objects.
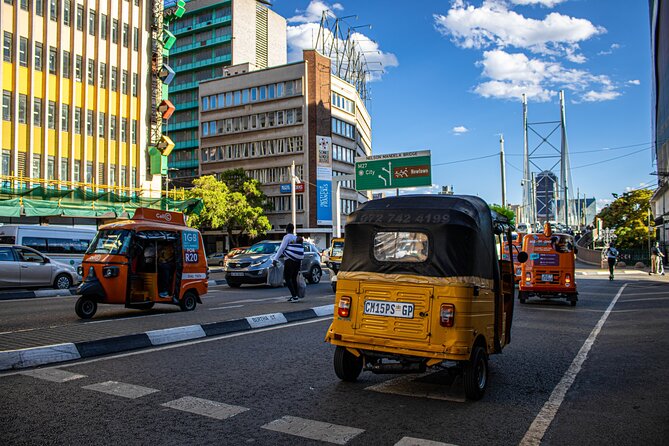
[
  {"x": 85, "y": 307},
  {"x": 188, "y": 301},
  {"x": 346, "y": 365},
  {"x": 475, "y": 374},
  {"x": 522, "y": 297}
]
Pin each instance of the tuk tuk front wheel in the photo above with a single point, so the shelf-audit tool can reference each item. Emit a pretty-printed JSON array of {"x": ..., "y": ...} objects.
[
  {"x": 85, "y": 307},
  {"x": 188, "y": 301},
  {"x": 346, "y": 365},
  {"x": 475, "y": 374}
]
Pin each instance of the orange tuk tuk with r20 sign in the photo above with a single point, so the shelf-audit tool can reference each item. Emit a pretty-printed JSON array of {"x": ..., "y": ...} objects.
[{"x": 152, "y": 258}]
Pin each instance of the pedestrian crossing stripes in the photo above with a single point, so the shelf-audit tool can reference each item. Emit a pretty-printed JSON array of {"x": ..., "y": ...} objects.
[
  {"x": 314, "y": 430},
  {"x": 121, "y": 389},
  {"x": 410, "y": 441},
  {"x": 211, "y": 409},
  {"x": 53, "y": 375}
]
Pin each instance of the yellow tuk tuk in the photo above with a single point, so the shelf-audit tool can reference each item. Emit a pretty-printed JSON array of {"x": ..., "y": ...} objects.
[{"x": 421, "y": 283}]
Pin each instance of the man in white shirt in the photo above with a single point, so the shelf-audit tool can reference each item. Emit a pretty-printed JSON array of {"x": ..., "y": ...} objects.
[{"x": 293, "y": 249}]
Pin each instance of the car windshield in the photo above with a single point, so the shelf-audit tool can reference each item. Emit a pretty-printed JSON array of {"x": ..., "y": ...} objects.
[
  {"x": 113, "y": 241},
  {"x": 263, "y": 248},
  {"x": 337, "y": 249}
]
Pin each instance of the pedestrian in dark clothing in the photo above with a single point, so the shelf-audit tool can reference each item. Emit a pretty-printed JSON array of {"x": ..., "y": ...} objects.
[
  {"x": 292, "y": 248},
  {"x": 612, "y": 257}
]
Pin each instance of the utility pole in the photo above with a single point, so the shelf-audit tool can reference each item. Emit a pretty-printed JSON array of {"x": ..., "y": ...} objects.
[
  {"x": 503, "y": 169},
  {"x": 292, "y": 192}
]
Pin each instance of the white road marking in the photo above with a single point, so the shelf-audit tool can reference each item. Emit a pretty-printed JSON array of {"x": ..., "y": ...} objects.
[
  {"x": 183, "y": 344},
  {"x": 176, "y": 334},
  {"x": 314, "y": 430},
  {"x": 121, "y": 389},
  {"x": 545, "y": 417},
  {"x": 407, "y": 385},
  {"x": 643, "y": 300},
  {"x": 410, "y": 441},
  {"x": 53, "y": 375},
  {"x": 126, "y": 318},
  {"x": 225, "y": 308},
  {"x": 31, "y": 357},
  {"x": 211, "y": 409}
]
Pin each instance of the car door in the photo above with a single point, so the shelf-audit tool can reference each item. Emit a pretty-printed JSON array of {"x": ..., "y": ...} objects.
[
  {"x": 9, "y": 268},
  {"x": 35, "y": 270},
  {"x": 309, "y": 253}
]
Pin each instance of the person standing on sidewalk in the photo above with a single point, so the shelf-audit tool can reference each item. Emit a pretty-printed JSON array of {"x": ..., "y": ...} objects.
[
  {"x": 611, "y": 254},
  {"x": 658, "y": 259},
  {"x": 292, "y": 248}
]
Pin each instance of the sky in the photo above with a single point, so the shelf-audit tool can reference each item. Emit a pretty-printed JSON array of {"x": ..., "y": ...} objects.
[{"x": 449, "y": 76}]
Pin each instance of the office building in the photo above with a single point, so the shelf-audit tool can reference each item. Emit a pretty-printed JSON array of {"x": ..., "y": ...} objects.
[
  {"x": 211, "y": 36},
  {"x": 264, "y": 120},
  {"x": 77, "y": 106}
]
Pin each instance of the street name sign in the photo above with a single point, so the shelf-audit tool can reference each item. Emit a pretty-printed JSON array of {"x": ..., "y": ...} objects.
[{"x": 393, "y": 171}]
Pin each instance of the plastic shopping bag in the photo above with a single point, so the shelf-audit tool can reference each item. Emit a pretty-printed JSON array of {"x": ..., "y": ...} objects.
[
  {"x": 301, "y": 286},
  {"x": 275, "y": 275}
]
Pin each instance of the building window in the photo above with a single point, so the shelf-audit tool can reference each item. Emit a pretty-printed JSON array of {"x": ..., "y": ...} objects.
[
  {"x": 63, "y": 169},
  {"x": 39, "y": 8},
  {"x": 39, "y": 54},
  {"x": 135, "y": 39},
  {"x": 67, "y": 64},
  {"x": 80, "y": 17},
  {"x": 77, "y": 171},
  {"x": 112, "y": 128},
  {"x": 7, "y": 44},
  {"x": 51, "y": 115},
  {"x": 6, "y": 161},
  {"x": 6, "y": 105},
  {"x": 50, "y": 167},
  {"x": 67, "y": 12},
  {"x": 53, "y": 10},
  {"x": 103, "y": 26},
  {"x": 90, "y": 122},
  {"x": 124, "y": 129},
  {"x": 135, "y": 81},
  {"x": 114, "y": 82},
  {"x": 37, "y": 112},
  {"x": 77, "y": 68},
  {"x": 103, "y": 75},
  {"x": 125, "y": 35},
  {"x": 23, "y": 109},
  {"x": 65, "y": 117},
  {"x": 92, "y": 22},
  {"x": 114, "y": 31},
  {"x": 124, "y": 82},
  {"x": 133, "y": 132},
  {"x": 53, "y": 60},
  {"x": 37, "y": 166},
  {"x": 91, "y": 72},
  {"x": 101, "y": 124},
  {"x": 77, "y": 120},
  {"x": 89, "y": 172},
  {"x": 23, "y": 51}
]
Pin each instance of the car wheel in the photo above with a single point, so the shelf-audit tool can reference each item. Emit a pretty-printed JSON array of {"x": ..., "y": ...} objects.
[
  {"x": 346, "y": 365},
  {"x": 315, "y": 274},
  {"x": 62, "y": 282},
  {"x": 475, "y": 374},
  {"x": 188, "y": 301},
  {"x": 234, "y": 285},
  {"x": 85, "y": 307}
]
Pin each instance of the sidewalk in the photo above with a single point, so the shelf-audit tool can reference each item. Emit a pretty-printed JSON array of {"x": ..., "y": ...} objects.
[{"x": 584, "y": 269}]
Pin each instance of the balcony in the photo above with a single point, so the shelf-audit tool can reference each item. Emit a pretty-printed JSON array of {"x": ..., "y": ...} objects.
[
  {"x": 200, "y": 26},
  {"x": 172, "y": 126},
  {"x": 188, "y": 164},
  {"x": 203, "y": 63},
  {"x": 185, "y": 86},
  {"x": 202, "y": 44},
  {"x": 185, "y": 105},
  {"x": 190, "y": 144}
]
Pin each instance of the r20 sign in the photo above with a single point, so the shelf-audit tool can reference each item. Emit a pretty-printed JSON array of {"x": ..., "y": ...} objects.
[{"x": 192, "y": 257}]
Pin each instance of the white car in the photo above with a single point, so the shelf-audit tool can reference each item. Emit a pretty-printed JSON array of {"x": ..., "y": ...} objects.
[{"x": 22, "y": 267}]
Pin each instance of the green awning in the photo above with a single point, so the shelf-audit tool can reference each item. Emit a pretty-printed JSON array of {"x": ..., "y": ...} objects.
[
  {"x": 10, "y": 208},
  {"x": 41, "y": 208}
]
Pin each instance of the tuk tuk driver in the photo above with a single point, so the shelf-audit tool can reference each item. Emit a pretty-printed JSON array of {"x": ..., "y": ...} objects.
[{"x": 165, "y": 269}]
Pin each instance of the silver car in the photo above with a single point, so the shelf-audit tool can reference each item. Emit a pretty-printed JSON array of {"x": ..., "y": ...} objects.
[
  {"x": 22, "y": 267},
  {"x": 253, "y": 265}
]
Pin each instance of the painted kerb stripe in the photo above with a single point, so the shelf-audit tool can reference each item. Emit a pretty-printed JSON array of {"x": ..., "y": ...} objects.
[
  {"x": 176, "y": 334},
  {"x": 30, "y": 357}
]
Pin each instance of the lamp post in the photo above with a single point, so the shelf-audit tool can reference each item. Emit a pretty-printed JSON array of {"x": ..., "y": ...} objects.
[{"x": 293, "y": 181}]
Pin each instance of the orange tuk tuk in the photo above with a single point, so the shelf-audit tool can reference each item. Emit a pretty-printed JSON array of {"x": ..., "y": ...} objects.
[
  {"x": 151, "y": 258},
  {"x": 516, "y": 247},
  {"x": 550, "y": 269}
]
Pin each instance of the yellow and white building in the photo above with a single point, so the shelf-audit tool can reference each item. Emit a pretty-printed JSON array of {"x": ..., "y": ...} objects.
[{"x": 76, "y": 81}]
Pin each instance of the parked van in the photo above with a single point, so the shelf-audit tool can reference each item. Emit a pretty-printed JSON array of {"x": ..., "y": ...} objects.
[{"x": 62, "y": 244}]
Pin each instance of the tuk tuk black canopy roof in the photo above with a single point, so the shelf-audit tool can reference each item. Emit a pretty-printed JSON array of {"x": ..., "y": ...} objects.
[{"x": 459, "y": 229}]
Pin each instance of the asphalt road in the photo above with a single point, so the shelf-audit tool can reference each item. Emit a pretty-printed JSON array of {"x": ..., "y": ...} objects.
[{"x": 590, "y": 374}]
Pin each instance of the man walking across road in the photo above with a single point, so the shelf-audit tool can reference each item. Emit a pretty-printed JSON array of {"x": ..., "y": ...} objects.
[
  {"x": 612, "y": 257},
  {"x": 657, "y": 258},
  {"x": 293, "y": 249}
]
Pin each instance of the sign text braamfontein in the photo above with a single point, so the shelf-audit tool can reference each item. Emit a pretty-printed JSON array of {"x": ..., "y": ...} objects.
[{"x": 394, "y": 170}]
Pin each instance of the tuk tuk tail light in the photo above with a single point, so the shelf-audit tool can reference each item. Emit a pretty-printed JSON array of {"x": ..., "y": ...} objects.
[
  {"x": 567, "y": 279},
  {"x": 528, "y": 277},
  {"x": 344, "y": 308},
  {"x": 447, "y": 315}
]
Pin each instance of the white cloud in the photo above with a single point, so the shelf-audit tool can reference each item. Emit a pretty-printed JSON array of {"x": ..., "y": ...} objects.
[
  {"x": 460, "y": 129},
  {"x": 634, "y": 82},
  {"x": 494, "y": 25},
  {"x": 314, "y": 12},
  {"x": 304, "y": 35},
  {"x": 546, "y": 3},
  {"x": 612, "y": 48},
  {"x": 598, "y": 96}
]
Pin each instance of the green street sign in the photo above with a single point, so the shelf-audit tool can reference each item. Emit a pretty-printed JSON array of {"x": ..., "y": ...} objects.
[{"x": 393, "y": 171}]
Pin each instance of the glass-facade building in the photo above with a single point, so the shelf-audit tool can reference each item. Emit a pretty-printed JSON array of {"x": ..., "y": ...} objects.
[{"x": 211, "y": 36}]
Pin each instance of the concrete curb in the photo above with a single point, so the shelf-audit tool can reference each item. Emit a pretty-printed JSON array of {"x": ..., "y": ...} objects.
[
  {"x": 606, "y": 273},
  {"x": 49, "y": 354},
  {"x": 24, "y": 294}
]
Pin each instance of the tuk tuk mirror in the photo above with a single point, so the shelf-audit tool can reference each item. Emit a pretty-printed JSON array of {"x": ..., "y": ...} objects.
[{"x": 522, "y": 257}]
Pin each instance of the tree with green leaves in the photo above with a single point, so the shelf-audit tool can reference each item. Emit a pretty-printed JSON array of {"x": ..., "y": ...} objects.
[
  {"x": 628, "y": 215},
  {"x": 235, "y": 212},
  {"x": 508, "y": 213},
  {"x": 238, "y": 181}
]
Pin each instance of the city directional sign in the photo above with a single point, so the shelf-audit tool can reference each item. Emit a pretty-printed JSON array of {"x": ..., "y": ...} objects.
[{"x": 393, "y": 171}]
